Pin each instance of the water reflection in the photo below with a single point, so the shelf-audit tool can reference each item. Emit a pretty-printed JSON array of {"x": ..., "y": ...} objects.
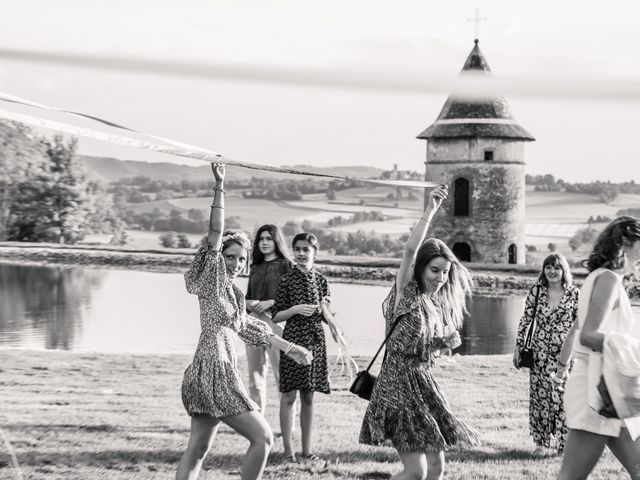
[
  {"x": 128, "y": 311},
  {"x": 44, "y": 306}
]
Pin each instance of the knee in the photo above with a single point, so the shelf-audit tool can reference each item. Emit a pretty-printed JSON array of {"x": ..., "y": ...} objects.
[
  {"x": 199, "y": 449},
  {"x": 306, "y": 398},
  {"x": 288, "y": 398},
  {"x": 417, "y": 473},
  {"x": 264, "y": 440}
]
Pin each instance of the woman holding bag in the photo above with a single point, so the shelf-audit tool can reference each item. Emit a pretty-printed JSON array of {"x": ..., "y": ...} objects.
[
  {"x": 425, "y": 308},
  {"x": 551, "y": 309}
]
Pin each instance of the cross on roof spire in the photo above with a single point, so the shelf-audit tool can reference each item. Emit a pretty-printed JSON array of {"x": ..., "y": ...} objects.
[{"x": 477, "y": 19}]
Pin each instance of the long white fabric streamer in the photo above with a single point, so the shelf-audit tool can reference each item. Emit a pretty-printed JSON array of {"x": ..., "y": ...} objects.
[{"x": 176, "y": 148}]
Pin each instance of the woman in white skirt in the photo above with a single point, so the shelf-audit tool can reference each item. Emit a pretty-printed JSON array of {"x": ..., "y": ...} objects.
[{"x": 604, "y": 307}]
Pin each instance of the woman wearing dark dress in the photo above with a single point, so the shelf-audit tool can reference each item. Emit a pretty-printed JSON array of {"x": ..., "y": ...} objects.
[
  {"x": 407, "y": 407},
  {"x": 270, "y": 260},
  {"x": 556, "y": 313},
  {"x": 298, "y": 302},
  {"x": 212, "y": 391}
]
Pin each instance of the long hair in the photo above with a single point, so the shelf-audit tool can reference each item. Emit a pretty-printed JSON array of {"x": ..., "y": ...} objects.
[
  {"x": 451, "y": 298},
  {"x": 556, "y": 259},
  {"x": 257, "y": 257},
  {"x": 608, "y": 250}
]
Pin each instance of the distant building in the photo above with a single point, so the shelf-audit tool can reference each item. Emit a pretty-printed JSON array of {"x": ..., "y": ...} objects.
[{"x": 476, "y": 147}]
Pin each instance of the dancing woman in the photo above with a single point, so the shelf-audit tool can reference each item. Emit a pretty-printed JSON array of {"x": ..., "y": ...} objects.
[
  {"x": 407, "y": 406},
  {"x": 604, "y": 308},
  {"x": 212, "y": 391}
]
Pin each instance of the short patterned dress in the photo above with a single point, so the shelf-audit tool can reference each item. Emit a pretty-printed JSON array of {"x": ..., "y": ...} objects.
[
  {"x": 407, "y": 407},
  {"x": 212, "y": 384},
  {"x": 546, "y": 413},
  {"x": 296, "y": 288}
]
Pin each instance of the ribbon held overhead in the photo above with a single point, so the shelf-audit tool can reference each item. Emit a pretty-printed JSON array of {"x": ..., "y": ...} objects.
[{"x": 164, "y": 145}]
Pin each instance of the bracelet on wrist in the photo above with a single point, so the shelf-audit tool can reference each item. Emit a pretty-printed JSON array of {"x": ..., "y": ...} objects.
[
  {"x": 562, "y": 364},
  {"x": 217, "y": 206},
  {"x": 219, "y": 189}
]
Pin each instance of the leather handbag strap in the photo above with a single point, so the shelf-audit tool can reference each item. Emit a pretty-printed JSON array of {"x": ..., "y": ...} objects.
[
  {"x": 532, "y": 325},
  {"x": 383, "y": 343}
]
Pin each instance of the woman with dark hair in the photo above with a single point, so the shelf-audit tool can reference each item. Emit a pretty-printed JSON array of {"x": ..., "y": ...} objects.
[
  {"x": 270, "y": 261},
  {"x": 553, "y": 302},
  {"x": 407, "y": 406},
  {"x": 212, "y": 391},
  {"x": 604, "y": 309},
  {"x": 298, "y": 302}
]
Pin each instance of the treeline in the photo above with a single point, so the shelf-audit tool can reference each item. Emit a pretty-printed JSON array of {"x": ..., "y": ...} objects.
[
  {"x": 140, "y": 189},
  {"x": 358, "y": 217},
  {"x": 606, "y": 191},
  {"x": 194, "y": 220},
  {"x": 45, "y": 193}
]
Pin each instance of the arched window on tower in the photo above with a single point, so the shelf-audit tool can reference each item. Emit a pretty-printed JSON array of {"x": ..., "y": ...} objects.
[
  {"x": 462, "y": 250},
  {"x": 513, "y": 253},
  {"x": 461, "y": 197}
]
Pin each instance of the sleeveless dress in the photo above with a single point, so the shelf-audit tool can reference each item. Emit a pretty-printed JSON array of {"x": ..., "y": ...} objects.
[
  {"x": 407, "y": 406},
  {"x": 580, "y": 416},
  {"x": 212, "y": 384},
  {"x": 547, "y": 423},
  {"x": 295, "y": 288}
]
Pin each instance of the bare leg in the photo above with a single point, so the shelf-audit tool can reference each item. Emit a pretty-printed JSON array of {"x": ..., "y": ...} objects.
[
  {"x": 287, "y": 399},
  {"x": 435, "y": 465},
  {"x": 203, "y": 429},
  {"x": 257, "y": 364},
  {"x": 306, "y": 420},
  {"x": 415, "y": 466},
  {"x": 627, "y": 452},
  {"x": 581, "y": 453},
  {"x": 254, "y": 428}
]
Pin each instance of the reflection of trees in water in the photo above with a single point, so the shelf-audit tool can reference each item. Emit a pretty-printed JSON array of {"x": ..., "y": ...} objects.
[{"x": 51, "y": 300}]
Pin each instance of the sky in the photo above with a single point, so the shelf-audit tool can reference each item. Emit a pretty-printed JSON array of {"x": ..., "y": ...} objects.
[{"x": 332, "y": 83}]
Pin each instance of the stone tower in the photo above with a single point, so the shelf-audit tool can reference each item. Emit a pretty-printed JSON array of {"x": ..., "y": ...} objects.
[{"x": 476, "y": 147}]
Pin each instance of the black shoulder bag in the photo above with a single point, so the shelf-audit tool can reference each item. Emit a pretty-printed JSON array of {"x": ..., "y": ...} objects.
[
  {"x": 526, "y": 353},
  {"x": 362, "y": 386}
]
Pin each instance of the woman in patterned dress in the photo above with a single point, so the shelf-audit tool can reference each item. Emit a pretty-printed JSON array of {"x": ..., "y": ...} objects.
[
  {"x": 298, "y": 301},
  {"x": 270, "y": 260},
  {"x": 604, "y": 308},
  {"x": 212, "y": 391},
  {"x": 407, "y": 406},
  {"x": 555, "y": 317}
]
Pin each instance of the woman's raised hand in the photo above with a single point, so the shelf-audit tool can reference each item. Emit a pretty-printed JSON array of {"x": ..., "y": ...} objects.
[
  {"x": 437, "y": 195},
  {"x": 218, "y": 171},
  {"x": 300, "y": 355}
]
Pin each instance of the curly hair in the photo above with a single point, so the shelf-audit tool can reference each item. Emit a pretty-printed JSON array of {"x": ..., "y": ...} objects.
[
  {"x": 451, "y": 298},
  {"x": 257, "y": 257},
  {"x": 608, "y": 250},
  {"x": 556, "y": 259}
]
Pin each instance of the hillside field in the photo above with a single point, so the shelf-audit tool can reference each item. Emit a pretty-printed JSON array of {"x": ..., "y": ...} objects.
[{"x": 551, "y": 216}]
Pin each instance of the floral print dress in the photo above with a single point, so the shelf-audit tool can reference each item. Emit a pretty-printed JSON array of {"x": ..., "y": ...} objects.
[
  {"x": 212, "y": 384},
  {"x": 296, "y": 288},
  {"x": 407, "y": 407},
  {"x": 546, "y": 412}
]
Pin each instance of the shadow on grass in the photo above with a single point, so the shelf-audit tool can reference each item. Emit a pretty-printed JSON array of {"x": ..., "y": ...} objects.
[{"x": 95, "y": 428}]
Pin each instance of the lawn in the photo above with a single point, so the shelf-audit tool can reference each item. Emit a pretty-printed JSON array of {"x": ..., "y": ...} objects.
[{"x": 81, "y": 416}]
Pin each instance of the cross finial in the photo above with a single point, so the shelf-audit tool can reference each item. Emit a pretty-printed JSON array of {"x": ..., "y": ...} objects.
[{"x": 477, "y": 19}]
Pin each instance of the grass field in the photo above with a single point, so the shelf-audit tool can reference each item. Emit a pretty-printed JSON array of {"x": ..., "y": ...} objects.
[
  {"x": 550, "y": 216},
  {"x": 84, "y": 416}
]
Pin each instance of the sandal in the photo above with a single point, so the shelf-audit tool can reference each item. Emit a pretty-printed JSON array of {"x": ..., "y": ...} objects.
[
  {"x": 315, "y": 460},
  {"x": 290, "y": 458}
]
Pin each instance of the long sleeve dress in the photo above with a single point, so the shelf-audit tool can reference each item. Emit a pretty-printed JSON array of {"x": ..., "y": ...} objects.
[
  {"x": 407, "y": 406},
  {"x": 546, "y": 413},
  {"x": 296, "y": 288},
  {"x": 212, "y": 384}
]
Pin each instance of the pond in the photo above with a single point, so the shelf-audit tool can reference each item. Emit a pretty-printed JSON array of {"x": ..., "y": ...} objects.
[{"x": 85, "y": 309}]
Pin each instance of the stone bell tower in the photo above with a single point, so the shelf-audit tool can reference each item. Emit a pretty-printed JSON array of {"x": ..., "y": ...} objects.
[{"x": 476, "y": 147}]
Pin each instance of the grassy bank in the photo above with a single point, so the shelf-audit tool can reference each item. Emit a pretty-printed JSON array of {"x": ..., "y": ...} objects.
[{"x": 81, "y": 416}]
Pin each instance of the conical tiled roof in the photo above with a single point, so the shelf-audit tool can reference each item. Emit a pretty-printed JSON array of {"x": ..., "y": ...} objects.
[{"x": 463, "y": 116}]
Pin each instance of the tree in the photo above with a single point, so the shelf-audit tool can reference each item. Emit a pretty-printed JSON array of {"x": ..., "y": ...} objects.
[
  {"x": 168, "y": 240},
  {"x": 331, "y": 194},
  {"x": 183, "y": 241},
  {"x": 574, "y": 243},
  {"x": 552, "y": 246}
]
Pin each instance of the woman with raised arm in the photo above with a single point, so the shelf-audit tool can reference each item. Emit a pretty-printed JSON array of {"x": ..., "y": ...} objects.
[
  {"x": 604, "y": 311},
  {"x": 212, "y": 391},
  {"x": 407, "y": 406}
]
